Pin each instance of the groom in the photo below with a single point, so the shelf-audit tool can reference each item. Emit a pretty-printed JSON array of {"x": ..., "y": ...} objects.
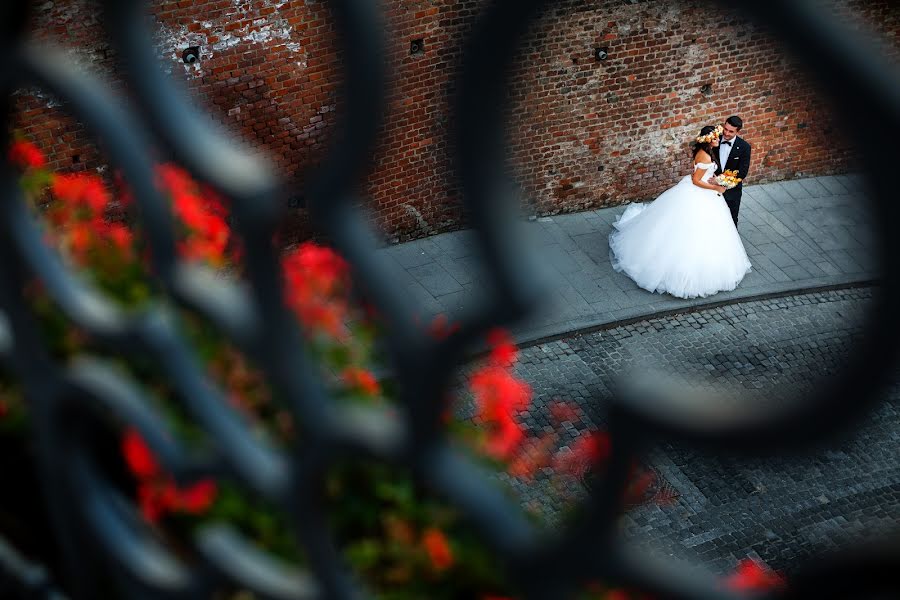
[{"x": 734, "y": 155}]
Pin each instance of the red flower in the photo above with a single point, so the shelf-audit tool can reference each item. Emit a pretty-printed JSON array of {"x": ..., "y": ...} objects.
[
  {"x": 438, "y": 549},
  {"x": 362, "y": 380},
  {"x": 498, "y": 395},
  {"x": 26, "y": 155},
  {"x": 80, "y": 239},
  {"x": 197, "y": 498},
  {"x": 497, "y": 392},
  {"x": 138, "y": 456},
  {"x": 753, "y": 576},
  {"x": 316, "y": 285},
  {"x": 82, "y": 191},
  {"x": 503, "y": 349},
  {"x": 120, "y": 236},
  {"x": 157, "y": 493},
  {"x": 203, "y": 216}
]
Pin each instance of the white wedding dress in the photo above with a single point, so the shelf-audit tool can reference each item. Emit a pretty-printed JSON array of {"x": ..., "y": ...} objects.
[{"x": 684, "y": 243}]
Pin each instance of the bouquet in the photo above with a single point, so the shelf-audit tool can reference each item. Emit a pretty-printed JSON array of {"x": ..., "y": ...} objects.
[{"x": 729, "y": 179}]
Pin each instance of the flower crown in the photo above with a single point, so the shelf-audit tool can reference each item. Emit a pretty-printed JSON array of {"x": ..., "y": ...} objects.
[{"x": 715, "y": 133}]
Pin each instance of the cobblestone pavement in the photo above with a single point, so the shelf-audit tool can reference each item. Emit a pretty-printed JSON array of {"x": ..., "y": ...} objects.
[{"x": 722, "y": 509}]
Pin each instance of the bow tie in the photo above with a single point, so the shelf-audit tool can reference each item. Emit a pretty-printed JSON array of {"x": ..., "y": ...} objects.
[{"x": 729, "y": 143}]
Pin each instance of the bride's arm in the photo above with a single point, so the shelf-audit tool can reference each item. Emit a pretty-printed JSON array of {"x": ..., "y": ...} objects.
[{"x": 697, "y": 177}]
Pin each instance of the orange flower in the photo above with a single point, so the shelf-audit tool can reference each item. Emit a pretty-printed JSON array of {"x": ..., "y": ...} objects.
[
  {"x": 438, "y": 549},
  {"x": 362, "y": 380},
  {"x": 26, "y": 155}
]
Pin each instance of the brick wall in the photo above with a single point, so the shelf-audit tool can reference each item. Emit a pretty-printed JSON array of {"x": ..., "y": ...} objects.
[{"x": 584, "y": 133}]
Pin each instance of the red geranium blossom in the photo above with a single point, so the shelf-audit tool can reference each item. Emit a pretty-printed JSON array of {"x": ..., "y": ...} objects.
[
  {"x": 157, "y": 493},
  {"x": 438, "y": 549},
  {"x": 498, "y": 396},
  {"x": 26, "y": 155},
  {"x": 316, "y": 285},
  {"x": 751, "y": 575},
  {"x": 206, "y": 233},
  {"x": 362, "y": 380},
  {"x": 503, "y": 349}
]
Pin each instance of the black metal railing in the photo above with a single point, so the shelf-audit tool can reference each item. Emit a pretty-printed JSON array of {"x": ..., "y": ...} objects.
[{"x": 98, "y": 532}]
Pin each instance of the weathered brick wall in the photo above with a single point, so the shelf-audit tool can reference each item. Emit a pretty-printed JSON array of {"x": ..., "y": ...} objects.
[{"x": 584, "y": 133}]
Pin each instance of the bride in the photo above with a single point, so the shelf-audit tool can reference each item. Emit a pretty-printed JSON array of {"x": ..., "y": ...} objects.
[{"x": 683, "y": 243}]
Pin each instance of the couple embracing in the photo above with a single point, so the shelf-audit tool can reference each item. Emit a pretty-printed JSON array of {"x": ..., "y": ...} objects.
[{"x": 685, "y": 243}]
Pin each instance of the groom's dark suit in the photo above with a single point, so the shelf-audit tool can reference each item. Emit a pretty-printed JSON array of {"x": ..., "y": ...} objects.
[{"x": 738, "y": 160}]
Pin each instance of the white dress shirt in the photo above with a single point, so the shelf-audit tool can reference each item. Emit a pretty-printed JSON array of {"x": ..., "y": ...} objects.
[{"x": 725, "y": 151}]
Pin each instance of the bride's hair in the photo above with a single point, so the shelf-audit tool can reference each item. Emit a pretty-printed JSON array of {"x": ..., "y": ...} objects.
[{"x": 705, "y": 145}]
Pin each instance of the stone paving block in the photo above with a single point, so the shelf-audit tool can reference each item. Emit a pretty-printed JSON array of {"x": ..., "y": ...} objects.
[
  {"x": 537, "y": 235},
  {"x": 595, "y": 245},
  {"x": 865, "y": 258},
  {"x": 575, "y": 303},
  {"x": 587, "y": 283},
  {"x": 773, "y": 220},
  {"x": 456, "y": 303},
  {"x": 557, "y": 233},
  {"x": 812, "y": 268},
  {"x": 795, "y": 190},
  {"x": 467, "y": 269},
  {"x": 409, "y": 255},
  {"x": 814, "y": 188},
  {"x": 575, "y": 224},
  {"x": 765, "y": 265},
  {"x": 425, "y": 304},
  {"x": 796, "y": 272},
  {"x": 775, "y": 254},
  {"x": 455, "y": 244},
  {"x": 777, "y": 192},
  {"x": 844, "y": 261},
  {"x": 833, "y": 184},
  {"x": 435, "y": 278},
  {"x": 559, "y": 258}
]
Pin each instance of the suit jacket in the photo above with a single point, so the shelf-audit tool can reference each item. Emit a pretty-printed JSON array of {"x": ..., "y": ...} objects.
[{"x": 738, "y": 160}]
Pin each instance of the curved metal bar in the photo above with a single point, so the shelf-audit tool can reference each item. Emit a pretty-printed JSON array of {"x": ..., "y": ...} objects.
[
  {"x": 144, "y": 562},
  {"x": 238, "y": 561},
  {"x": 114, "y": 396},
  {"x": 255, "y": 317}
]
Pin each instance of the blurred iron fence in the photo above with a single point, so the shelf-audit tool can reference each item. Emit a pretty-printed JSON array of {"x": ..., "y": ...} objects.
[{"x": 96, "y": 528}]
